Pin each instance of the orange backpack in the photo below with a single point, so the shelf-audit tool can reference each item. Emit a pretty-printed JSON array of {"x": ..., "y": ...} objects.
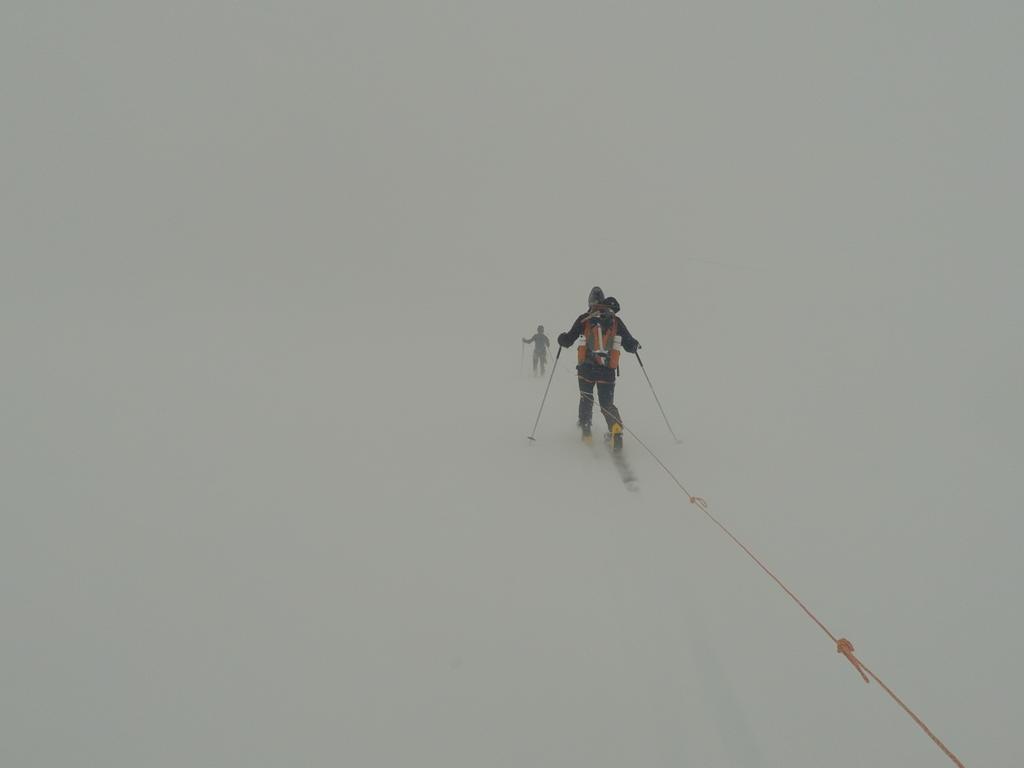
[{"x": 601, "y": 341}]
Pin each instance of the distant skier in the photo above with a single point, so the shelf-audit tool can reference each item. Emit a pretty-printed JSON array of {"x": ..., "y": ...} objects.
[
  {"x": 597, "y": 356},
  {"x": 540, "y": 349}
]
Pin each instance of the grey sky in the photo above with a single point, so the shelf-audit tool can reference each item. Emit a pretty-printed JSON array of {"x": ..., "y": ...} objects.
[{"x": 265, "y": 496}]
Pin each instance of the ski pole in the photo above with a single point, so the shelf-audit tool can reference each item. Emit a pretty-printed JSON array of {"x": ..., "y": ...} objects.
[
  {"x": 553, "y": 366},
  {"x": 656, "y": 397}
]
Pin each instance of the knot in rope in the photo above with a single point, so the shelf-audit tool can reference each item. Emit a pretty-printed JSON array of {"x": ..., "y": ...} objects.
[
  {"x": 699, "y": 502},
  {"x": 845, "y": 647}
]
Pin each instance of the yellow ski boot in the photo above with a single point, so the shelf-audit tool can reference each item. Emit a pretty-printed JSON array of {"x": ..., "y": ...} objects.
[
  {"x": 587, "y": 437},
  {"x": 616, "y": 437}
]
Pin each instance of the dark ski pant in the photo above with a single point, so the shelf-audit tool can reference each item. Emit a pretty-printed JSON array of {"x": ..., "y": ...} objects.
[
  {"x": 605, "y": 398},
  {"x": 541, "y": 359}
]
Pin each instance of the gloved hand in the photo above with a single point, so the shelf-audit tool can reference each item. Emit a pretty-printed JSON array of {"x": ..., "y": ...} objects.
[
  {"x": 565, "y": 340},
  {"x": 631, "y": 345}
]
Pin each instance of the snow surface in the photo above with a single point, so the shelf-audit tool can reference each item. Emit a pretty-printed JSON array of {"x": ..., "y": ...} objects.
[{"x": 267, "y": 497}]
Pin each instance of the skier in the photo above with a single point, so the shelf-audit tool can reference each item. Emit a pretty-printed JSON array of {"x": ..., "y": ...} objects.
[
  {"x": 597, "y": 356},
  {"x": 540, "y": 349}
]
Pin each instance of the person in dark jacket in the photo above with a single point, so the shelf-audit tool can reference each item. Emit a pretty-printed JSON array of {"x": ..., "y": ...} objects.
[
  {"x": 540, "y": 349},
  {"x": 603, "y": 335}
]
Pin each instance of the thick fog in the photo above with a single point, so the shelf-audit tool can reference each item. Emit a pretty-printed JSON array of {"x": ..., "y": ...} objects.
[{"x": 266, "y": 494}]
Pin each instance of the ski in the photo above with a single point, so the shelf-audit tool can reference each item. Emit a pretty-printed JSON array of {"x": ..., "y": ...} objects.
[
  {"x": 622, "y": 466},
  {"x": 626, "y": 474},
  {"x": 629, "y": 479}
]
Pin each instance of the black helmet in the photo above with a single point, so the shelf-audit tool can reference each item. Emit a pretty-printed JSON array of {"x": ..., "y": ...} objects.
[
  {"x": 540, "y": 329},
  {"x": 612, "y": 303},
  {"x": 596, "y": 296}
]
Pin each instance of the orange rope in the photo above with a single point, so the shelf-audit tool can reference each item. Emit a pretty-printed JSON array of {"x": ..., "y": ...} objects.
[{"x": 843, "y": 646}]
